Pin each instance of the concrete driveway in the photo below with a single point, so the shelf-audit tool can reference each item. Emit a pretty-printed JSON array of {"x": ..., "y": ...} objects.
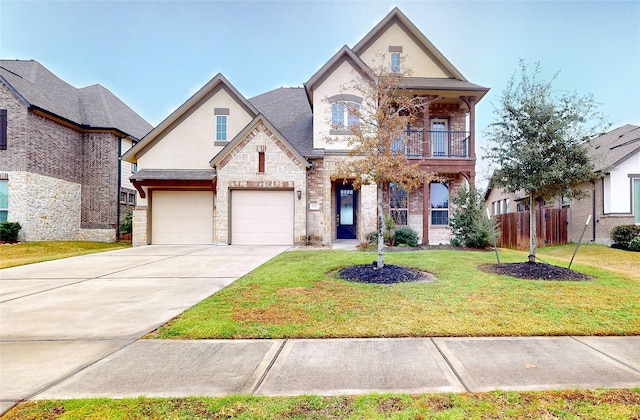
[{"x": 58, "y": 317}]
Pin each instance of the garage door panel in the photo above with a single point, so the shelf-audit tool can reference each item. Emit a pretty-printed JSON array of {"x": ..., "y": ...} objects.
[
  {"x": 182, "y": 217},
  {"x": 262, "y": 217}
]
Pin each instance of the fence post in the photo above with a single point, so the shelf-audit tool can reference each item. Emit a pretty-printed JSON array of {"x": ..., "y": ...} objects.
[{"x": 493, "y": 234}]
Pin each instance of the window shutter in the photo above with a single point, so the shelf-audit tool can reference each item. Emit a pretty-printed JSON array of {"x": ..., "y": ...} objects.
[{"x": 3, "y": 129}]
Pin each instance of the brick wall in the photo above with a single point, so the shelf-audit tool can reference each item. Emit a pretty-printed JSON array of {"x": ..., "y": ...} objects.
[
  {"x": 100, "y": 190},
  {"x": 15, "y": 157}
]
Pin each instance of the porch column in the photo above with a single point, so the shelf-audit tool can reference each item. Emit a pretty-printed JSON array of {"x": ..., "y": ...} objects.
[
  {"x": 426, "y": 211},
  {"x": 426, "y": 124},
  {"x": 471, "y": 103}
]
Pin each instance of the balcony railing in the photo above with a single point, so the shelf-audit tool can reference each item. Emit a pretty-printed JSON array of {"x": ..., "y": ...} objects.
[{"x": 439, "y": 144}]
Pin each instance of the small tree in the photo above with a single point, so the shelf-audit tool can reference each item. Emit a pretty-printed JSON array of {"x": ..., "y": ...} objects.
[
  {"x": 469, "y": 223},
  {"x": 383, "y": 117},
  {"x": 539, "y": 141}
]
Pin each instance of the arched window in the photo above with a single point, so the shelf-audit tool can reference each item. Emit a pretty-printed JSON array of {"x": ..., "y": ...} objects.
[
  {"x": 345, "y": 113},
  {"x": 398, "y": 204}
]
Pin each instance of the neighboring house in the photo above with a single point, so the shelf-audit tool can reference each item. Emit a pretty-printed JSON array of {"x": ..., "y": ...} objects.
[
  {"x": 612, "y": 196},
  {"x": 61, "y": 176},
  {"x": 225, "y": 169}
]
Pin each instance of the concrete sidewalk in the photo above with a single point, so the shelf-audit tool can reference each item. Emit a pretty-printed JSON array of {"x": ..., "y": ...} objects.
[{"x": 166, "y": 368}]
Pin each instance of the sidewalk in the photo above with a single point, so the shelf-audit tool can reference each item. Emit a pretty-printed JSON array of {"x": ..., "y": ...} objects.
[{"x": 178, "y": 368}]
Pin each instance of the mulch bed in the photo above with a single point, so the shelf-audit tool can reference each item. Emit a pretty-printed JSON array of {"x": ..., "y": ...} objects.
[
  {"x": 535, "y": 271},
  {"x": 389, "y": 274}
]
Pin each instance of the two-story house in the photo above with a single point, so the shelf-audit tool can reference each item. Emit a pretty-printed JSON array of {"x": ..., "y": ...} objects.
[
  {"x": 61, "y": 176},
  {"x": 230, "y": 170}
]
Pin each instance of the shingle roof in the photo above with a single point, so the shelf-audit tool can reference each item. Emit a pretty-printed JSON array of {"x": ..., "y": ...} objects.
[
  {"x": 174, "y": 174},
  {"x": 615, "y": 146},
  {"x": 93, "y": 106},
  {"x": 433, "y": 83},
  {"x": 290, "y": 113}
]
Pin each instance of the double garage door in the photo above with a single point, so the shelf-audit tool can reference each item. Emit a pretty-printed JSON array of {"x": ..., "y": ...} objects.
[{"x": 257, "y": 217}]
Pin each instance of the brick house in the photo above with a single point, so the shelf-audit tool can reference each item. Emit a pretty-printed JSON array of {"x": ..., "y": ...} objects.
[
  {"x": 612, "y": 196},
  {"x": 230, "y": 170},
  {"x": 61, "y": 176}
]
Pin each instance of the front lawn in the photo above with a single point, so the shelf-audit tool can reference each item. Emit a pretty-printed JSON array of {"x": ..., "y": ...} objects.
[
  {"x": 32, "y": 252},
  {"x": 297, "y": 295},
  {"x": 570, "y": 404}
]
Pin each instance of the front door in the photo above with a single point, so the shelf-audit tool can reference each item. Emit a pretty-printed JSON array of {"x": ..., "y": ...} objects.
[
  {"x": 439, "y": 143},
  {"x": 346, "y": 205}
]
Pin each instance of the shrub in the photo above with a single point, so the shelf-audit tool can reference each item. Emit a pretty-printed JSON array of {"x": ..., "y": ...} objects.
[
  {"x": 9, "y": 231},
  {"x": 405, "y": 236},
  {"x": 127, "y": 224},
  {"x": 623, "y": 234},
  {"x": 470, "y": 225},
  {"x": 634, "y": 244}
]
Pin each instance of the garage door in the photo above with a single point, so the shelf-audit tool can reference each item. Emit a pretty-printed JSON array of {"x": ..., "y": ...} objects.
[
  {"x": 261, "y": 217},
  {"x": 182, "y": 217}
]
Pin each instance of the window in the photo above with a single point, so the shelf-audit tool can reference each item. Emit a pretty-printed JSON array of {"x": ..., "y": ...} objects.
[
  {"x": 439, "y": 204},
  {"x": 398, "y": 204},
  {"x": 395, "y": 62},
  {"x": 132, "y": 199},
  {"x": 344, "y": 115},
  {"x": 636, "y": 200},
  {"x": 123, "y": 197},
  {"x": 507, "y": 205},
  {"x": 3, "y": 129},
  {"x": 260, "y": 162},
  {"x": 4, "y": 199},
  {"x": 222, "y": 116},
  {"x": 134, "y": 168},
  {"x": 221, "y": 127}
]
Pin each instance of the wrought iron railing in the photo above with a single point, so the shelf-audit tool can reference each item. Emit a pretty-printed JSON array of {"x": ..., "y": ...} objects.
[{"x": 439, "y": 144}]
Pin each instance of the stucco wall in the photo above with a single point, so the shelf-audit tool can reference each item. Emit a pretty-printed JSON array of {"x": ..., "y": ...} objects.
[
  {"x": 190, "y": 143},
  {"x": 415, "y": 59}
]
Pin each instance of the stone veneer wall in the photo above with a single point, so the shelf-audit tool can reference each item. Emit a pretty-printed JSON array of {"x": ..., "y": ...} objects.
[
  {"x": 47, "y": 208},
  {"x": 239, "y": 170},
  {"x": 140, "y": 236}
]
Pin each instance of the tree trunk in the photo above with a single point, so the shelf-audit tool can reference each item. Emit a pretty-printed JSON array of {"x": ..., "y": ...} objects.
[
  {"x": 533, "y": 238},
  {"x": 380, "y": 228}
]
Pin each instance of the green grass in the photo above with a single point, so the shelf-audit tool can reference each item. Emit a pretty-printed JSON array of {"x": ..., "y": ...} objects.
[
  {"x": 573, "y": 404},
  {"x": 22, "y": 253},
  {"x": 297, "y": 295}
]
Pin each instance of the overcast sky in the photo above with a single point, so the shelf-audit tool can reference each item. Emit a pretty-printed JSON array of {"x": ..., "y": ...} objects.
[{"x": 155, "y": 54}]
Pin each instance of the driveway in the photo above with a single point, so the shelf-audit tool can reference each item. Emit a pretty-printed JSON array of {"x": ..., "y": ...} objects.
[{"x": 58, "y": 317}]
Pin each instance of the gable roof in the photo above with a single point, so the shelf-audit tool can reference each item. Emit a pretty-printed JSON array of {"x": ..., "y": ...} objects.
[
  {"x": 399, "y": 18},
  {"x": 207, "y": 91},
  {"x": 614, "y": 147},
  {"x": 290, "y": 113},
  {"x": 237, "y": 139},
  {"x": 344, "y": 54},
  {"x": 92, "y": 107}
]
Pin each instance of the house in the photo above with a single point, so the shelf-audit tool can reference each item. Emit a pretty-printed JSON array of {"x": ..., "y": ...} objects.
[
  {"x": 225, "y": 169},
  {"x": 61, "y": 176},
  {"x": 612, "y": 197}
]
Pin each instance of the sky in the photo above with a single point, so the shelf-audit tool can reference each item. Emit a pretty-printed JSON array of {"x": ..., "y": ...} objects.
[{"x": 154, "y": 55}]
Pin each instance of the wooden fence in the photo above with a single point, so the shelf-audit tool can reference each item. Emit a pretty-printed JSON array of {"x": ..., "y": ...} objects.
[{"x": 551, "y": 228}]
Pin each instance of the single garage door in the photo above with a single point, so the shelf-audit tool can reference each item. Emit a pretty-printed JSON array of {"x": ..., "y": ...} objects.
[
  {"x": 261, "y": 217},
  {"x": 182, "y": 217}
]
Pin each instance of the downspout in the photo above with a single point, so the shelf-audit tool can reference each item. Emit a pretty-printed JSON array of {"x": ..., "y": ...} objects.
[
  {"x": 118, "y": 195},
  {"x": 593, "y": 210},
  {"x": 306, "y": 205}
]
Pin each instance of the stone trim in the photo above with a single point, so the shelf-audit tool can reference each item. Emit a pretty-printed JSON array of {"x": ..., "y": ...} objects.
[{"x": 220, "y": 111}]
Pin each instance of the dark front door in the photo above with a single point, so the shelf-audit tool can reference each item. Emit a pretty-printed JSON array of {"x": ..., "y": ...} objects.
[{"x": 346, "y": 217}]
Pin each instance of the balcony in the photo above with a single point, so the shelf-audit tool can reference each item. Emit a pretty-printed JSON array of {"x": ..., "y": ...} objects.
[{"x": 418, "y": 143}]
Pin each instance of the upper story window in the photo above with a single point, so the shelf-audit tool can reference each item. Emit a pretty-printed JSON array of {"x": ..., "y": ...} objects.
[
  {"x": 394, "y": 59},
  {"x": 222, "y": 116},
  {"x": 345, "y": 113},
  {"x": 3, "y": 129}
]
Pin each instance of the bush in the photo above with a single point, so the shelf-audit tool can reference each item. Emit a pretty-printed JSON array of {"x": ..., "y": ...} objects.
[
  {"x": 634, "y": 244},
  {"x": 470, "y": 225},
  {"x": 9, "y": 231},
  {"x": 127, "y": 224},
  {"x": 624, "y": 234},
  {"x": 405, "y": 236}
]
